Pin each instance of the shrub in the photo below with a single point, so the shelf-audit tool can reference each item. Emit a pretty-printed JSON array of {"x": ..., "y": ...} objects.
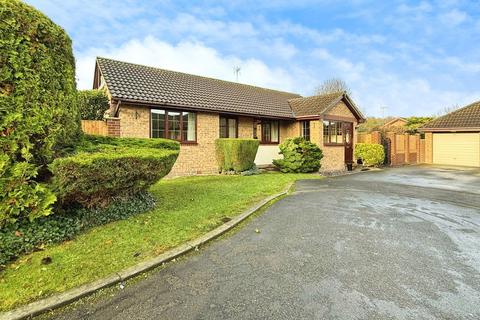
[
  {"x": 24, "y": 237},
  {"x": 299, "y": 155},
  {"x": 93, "y": 143},
  {"x": 372, "y": 154},
  {"x": 92, "y": 104},
  {"x": 236, "y": 154},
  {"x": 38, "y": 107},
  {"x": 95, "y": 179}
]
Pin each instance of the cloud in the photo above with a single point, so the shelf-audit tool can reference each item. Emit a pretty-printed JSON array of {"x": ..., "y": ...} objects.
[
  {"x": 190, "y": 57},
  {"x": 414, "y": 59},
  {"x": 453, "y": 18}
]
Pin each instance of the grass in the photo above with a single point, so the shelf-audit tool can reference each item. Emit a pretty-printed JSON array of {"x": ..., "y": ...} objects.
[{"x": 186, "y": 208}]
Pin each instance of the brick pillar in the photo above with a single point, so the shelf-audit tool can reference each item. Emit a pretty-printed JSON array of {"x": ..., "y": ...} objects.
[
  {"x": 417, "y": 141},
  {"x": 113, "y": 127},
  {"x": 376, "y": 137},
  {"x": 428, "y": 147},
  {"x": 393, "y": 147},
  {"x": 407, "y": 147}
]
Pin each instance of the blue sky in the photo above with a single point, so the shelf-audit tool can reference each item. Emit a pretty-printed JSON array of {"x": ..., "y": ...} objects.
[{"x": 415, "y": 58}]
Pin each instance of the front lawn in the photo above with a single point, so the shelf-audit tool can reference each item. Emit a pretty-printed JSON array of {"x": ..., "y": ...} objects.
[{"x": 186, "y": 208}]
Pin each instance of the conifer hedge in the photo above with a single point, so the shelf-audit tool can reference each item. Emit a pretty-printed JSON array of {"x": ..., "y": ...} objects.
[
  {"x": 236, "y": 154},
  {"x": 38, "y": 107}
]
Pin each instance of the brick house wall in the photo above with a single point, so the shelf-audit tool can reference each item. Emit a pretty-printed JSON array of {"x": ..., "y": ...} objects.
[
  {"x": 199, "y": 158},
  {"x": 245, "y": 127},
  {"x": 428, "y": 147},
  {"x": 134, "y": 121}
]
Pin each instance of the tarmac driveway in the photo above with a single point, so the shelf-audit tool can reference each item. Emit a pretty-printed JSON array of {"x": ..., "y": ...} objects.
[{"x": 397, "y": 244}]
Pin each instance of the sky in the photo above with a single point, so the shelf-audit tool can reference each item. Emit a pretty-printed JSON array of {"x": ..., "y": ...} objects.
[{"x": 399, "y": 58}]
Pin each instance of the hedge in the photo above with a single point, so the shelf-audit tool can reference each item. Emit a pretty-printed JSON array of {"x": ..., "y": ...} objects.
[
  {"x": 38, "y": 107},
  {"x": 92, "y": 143},
  {"x": 299, "y": 155},
  {"x": 236, "y": 154},
  {"x": 92, "y": 104},
  {"x": 371, "y": 154},
  {"x": 23, "y": 237},
  {"x": 95, "y": 179}
]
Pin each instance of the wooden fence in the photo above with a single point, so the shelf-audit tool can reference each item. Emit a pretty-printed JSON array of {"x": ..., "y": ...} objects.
[
  {"x": 98, "y": 127},
  {"x": 400, "y": 148}
]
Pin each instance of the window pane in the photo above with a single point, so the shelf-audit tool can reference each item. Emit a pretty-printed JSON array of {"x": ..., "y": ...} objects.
[
  {"x": 326, "y": 131},
  {"x": 232, "y": 128},
  {"x": 188, "y": 129},
  {"x": 158, "y": 123},
  {"x": 223, "y": 127},
  {"x": 174, "y": 125},
  {"x": 339, "y": 132},
  {"x": 266, "y": 132},
  {"x": 306, "y": 130},
  {"x": 274, "y": 131}
]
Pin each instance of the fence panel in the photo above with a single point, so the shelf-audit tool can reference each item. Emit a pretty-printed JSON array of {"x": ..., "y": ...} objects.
[{"x": 98, "y": 127}]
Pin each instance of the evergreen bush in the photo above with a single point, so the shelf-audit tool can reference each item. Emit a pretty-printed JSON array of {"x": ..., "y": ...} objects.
[
  {"x": 299, "y": 155},
  {"x": 38, "y": 107},
  {"x": 371, "y": 154},
  {"x": 236, "y": 154}
]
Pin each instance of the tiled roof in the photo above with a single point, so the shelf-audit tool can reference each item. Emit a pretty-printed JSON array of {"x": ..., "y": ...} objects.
[
  {"x": 467, "y": 118},
  {"x": 137, "y": 83},
  {"x": 315, "y": 105}
]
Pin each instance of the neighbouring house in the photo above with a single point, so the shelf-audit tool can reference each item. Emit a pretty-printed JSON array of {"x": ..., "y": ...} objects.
[
  {"x": 150, "y": 102},
  {"x": 454, "y": 139},
  {"x": 397, "y": 123}
]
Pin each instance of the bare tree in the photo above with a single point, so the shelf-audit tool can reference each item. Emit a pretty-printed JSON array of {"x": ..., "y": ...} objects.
[
  {"x": 446, "y": 110},
  {"x": 332, "y": 86}
]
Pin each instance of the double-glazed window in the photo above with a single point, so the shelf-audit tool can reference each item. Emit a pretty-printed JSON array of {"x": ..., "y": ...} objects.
[
  {"x": 333, "y": 132},
  {"x": 175, "y": 125},
  {"x": 270, "y": 132},
  {"x": 228, "y": 127},
  {"x": 305, "y": 130}
]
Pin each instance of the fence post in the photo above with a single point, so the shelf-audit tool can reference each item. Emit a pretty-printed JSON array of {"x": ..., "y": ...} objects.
[
  {"x": 407, "y": 148},
  {"x": 393, "y": 148}
]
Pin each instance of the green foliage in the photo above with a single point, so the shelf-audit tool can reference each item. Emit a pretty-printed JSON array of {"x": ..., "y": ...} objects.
[
  {"x": 373, "y": 124},
  {"x": 413, "y": 123},
  {"x": 23, "y": 236},
  {"x": 185, "y": 209},
  {"x": 372, "y": 154},
  {"x": 92, "y": 104},
  {"x": 93, "y": 143},
  {"x": 95, "y": 179},
  {"x": 236, "y": 154},
  {"x": 38, "y": 107},
  {"x": 299, "y": 155}
]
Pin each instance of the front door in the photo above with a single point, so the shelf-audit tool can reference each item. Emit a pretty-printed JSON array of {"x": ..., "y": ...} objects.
[{"x": 348, "y": 131}]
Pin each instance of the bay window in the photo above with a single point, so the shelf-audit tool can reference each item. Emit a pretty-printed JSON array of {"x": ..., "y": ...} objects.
[
  {"x": 333, "y": 132},
  {"x": 175, "y": 125}
]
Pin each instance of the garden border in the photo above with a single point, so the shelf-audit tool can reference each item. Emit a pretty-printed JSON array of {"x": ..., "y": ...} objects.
[{"x": 57, "y": 300}]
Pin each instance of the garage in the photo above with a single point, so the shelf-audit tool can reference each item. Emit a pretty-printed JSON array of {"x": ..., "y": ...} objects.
[
  {"x": 454, "y": 139},
  {"x": 459, "y": 149}
]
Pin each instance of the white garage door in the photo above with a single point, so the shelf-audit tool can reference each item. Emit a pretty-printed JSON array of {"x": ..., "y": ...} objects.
[{"x": 460, "y": 149}]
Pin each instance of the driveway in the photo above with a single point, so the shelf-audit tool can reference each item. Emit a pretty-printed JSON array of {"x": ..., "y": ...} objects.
[{"x": 396, "y": 244}]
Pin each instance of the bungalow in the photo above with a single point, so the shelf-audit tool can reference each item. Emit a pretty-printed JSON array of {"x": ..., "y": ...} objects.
[
  {"x": 454, "y": 139},
  {"x": 150, "y": 102}
]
